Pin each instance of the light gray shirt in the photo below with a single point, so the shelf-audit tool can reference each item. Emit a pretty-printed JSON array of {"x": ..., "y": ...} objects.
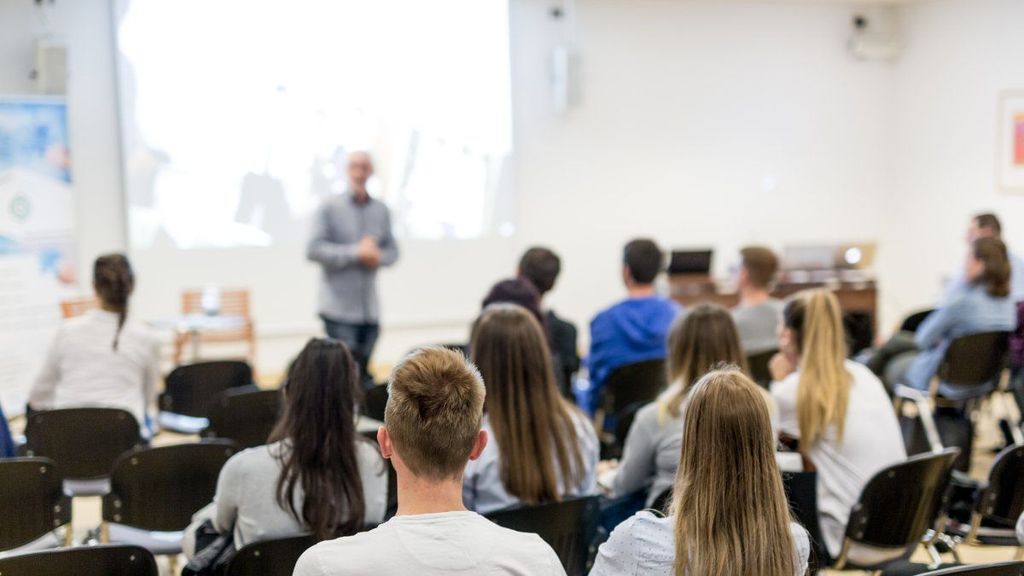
[
  {"x": 758, "y": 325},
  {"x": 650, "y": 455},
  {"x": 432, "y": 545},
  {"x": 247, "y": 493},
  {"x": 348, "y": 290},
  {"x": 646, "y": 544},
  {"x": 483, "y": 491}
]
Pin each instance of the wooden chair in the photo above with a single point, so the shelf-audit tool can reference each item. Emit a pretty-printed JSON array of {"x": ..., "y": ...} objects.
[
  {"x": 232, "y": 303},
  {"x": 77, "y": 306}
]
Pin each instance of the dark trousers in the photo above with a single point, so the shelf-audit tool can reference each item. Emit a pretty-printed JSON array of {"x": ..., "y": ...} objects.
[{"x": 360, "y": 339}]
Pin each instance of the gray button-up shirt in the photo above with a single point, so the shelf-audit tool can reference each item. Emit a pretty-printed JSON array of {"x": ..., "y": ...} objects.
[{"x": 348, "y": 290}]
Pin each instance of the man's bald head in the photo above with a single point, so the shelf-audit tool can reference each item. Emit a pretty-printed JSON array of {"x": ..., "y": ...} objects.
[{"x": 360, "y": 169}]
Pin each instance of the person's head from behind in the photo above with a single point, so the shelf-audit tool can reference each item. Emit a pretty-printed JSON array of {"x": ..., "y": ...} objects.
[
  {"x": 758, "y": 266},
  {"x": 984, "y": 225},
  {"x": 812, "y": 336},
  {"x": 728, "y": 487},
  {"x": 318, "y": 426},
  {"x": 988, "y": 265},
  {"x": 360, "y": 169},
  {"x": 516, "y": 291},
  {"x": 433, "y": 416},
  {"x": 642, "y": 261},
  {"x": 509, "y": 348},
  {"x": 699, "y": 340},
  {"x": 114, "y": 280},
  {"x": 540, "y": 266}
]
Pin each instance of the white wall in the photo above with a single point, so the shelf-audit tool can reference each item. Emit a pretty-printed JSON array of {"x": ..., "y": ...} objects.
[{"x": 687, "y": 105}]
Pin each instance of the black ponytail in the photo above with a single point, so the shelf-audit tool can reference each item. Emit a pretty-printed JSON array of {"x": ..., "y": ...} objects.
[{"x": 114, "y": 280}]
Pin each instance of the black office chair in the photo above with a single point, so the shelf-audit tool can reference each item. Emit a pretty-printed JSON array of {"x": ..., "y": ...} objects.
[
  {"x": 375, "y": 402},
  {"x": 969, "y": 372},
  {"x": 663, "y": 502},
  {"x": 897, "y": 509},
  {"x": 997, "y": 504},
  {"x": 191, "y": 389},
  {"x": 33, "y": 502},
  {"x": 860, "y": 331},
  {"x": 157, "y": 490},
  {"x": 802, "y": 492},
  {"x": 84, "y": 442},
  {"x": 912, "y": 322},
  {"x": 244, "y": 415},
  {"x": 83, "y": 561},
  {"x": 269, "y": 557},
  {"x": 626, "y": 390},
  {"x": 568, "y": 527},
  {"x": 758, "y": 365},
  {"x": 1000, "y": 569}
]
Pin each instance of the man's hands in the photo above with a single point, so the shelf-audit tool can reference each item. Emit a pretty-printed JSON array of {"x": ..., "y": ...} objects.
[{"x": 368, "y": 252}]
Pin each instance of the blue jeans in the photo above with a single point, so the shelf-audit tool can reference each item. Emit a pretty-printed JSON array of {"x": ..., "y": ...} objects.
[{"x": 360, "y": 339}]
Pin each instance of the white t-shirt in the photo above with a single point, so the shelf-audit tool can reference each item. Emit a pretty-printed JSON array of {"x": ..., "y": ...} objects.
[
  {"x": 871, "y": 441},
  {"x": 82, "y": 368},
  {"x": 433, "y": 544},
  {"x": 646, "y": 544}
]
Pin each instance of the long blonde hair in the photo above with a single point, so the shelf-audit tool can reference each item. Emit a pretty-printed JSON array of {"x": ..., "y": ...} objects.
[
  {"x": 700, "y": 340},
  {"x": 823, "y": 393},
  {"x": 533, "y": 424},
  {"x": 731, "y": 513}
]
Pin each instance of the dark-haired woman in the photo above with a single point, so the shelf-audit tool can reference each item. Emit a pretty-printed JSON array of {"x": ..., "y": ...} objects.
[
  {"x": 102, "y": 358},
  {"x": 983, "y": 306},
  {"x": 318, "y": 474}
]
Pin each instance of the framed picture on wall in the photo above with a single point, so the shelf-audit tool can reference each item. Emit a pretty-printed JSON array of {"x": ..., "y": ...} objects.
[{"x": 1011, "y": 141}]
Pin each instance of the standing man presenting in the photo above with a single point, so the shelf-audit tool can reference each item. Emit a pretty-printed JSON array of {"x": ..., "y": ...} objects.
[{"x": 351, "y": 240}]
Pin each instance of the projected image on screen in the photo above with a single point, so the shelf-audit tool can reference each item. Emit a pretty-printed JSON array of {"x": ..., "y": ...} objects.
[{"x": 238, "y": 116}]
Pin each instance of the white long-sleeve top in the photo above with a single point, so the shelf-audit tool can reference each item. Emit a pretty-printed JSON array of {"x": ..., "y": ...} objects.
[{"x": 82, "y": 368}]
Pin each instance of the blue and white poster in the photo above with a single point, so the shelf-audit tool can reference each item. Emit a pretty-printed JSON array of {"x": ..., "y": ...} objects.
[{"x": 37, "y": 237}]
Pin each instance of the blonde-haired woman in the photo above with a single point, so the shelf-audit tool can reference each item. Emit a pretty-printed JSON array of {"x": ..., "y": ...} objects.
[
  {"x": 541, "y": 448},
  {"x": 700, "y": 340},
  {"x": 729, "y": 511},
  {"x": 837, "y": 409}
]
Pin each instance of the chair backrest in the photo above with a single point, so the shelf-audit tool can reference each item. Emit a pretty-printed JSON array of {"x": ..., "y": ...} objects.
[
  {"x": 975, "y": 359},
  {"x": 32, "y": 499},
  {"x": 269, "y": 557},
  {"x": 912, "y": 322},
  {"x": 860, "y": 331},
  {"x": 900, "y": 503},
  {"x": 77, "y": 306},
  {"x": 758, "y": 365},
  {"x": 83, "y": 561},
  {"x": 376, "y": 402},
  {"x": 244, "y": 415},
  {"x": 159, "y": 489},
  {"x": 567, "y": 526},
  {"x": 1002, "y": 501},
  {"x": 802, "y": 492},
  {"x": 637, "y": 383},
  {"x": 233, "y": 302},
  {"x": 1017, "y": 340},
  {"x": 84, "y": 442},
  {"x": 1000, "y": 569},
  {"x": 191, "y": 389}
]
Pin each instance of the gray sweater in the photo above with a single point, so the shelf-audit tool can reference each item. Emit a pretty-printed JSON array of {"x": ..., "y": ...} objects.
[{"x": 348, "y": 290}]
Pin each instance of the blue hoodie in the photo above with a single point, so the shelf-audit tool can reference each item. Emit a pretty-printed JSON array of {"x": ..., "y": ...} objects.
[{"x": 631, "y": 331}]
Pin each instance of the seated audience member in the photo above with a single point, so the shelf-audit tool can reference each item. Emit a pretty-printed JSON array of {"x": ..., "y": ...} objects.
[
  {"x": 101, "y": 358},
  {"x": 700, "y": 340},
  {"x": 835, "y": 408},
  {"x": 982, "y": 305},
  {"x": 633, "y": 330},
  {"x": 757, "y": 315},
  {"x": 317, "y": 474},
  {"x": 541, "y": 266},
  {"x": 986, "y": 225},
  {"x": 519, "y": 292},
  {"x": 541, "y": 447},
  {"x": 729, "y": 511},
  {"x": 431, "y": 429}
]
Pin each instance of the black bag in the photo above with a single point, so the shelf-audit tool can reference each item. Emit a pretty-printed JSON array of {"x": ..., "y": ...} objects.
[{"x": 213, "y": 552}]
